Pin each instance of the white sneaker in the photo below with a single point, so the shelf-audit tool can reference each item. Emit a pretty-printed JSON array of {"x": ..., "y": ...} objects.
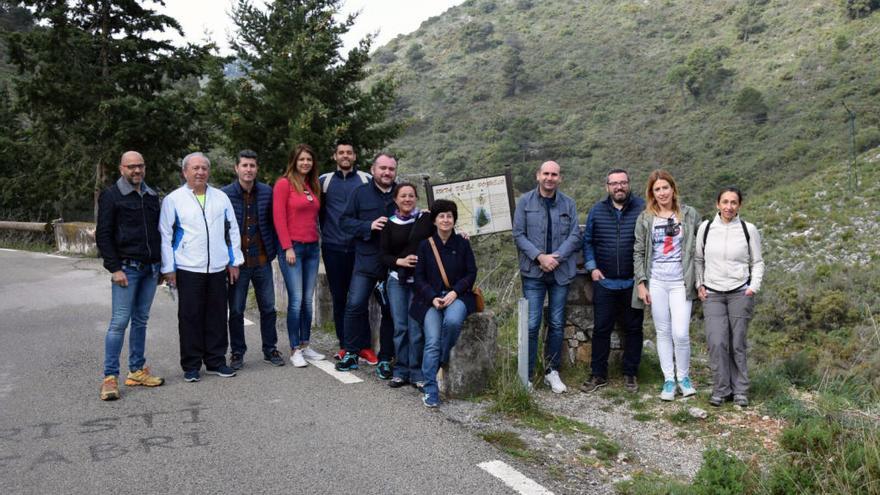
[
  {"x": 311, "y": 354},
  {"x": 297, "y": 359},
  {"x": 555, "y": 382}
]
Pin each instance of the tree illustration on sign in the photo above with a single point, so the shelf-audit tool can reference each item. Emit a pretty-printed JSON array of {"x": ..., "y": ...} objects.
[{"x": 481, "y": 216}]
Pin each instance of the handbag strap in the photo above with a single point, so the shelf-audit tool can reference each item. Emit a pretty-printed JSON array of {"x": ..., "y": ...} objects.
[{"x": 439, "y": 262}]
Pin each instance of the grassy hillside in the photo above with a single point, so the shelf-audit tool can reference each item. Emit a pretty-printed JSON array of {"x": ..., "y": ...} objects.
[
  {"x": 747, "y": 92},
  {"x": 640, "y": 84}
]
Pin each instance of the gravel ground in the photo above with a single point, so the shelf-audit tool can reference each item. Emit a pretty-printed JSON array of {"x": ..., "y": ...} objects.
[{"x": 566, "y": 461}]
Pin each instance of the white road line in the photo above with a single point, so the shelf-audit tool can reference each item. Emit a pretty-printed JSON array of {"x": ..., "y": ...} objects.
[
  {"x": 342, "y": 376},
  {"x": 513, "y": 478},
  {"x": 248, "y": 322},
  {"x": 9, "y": 250},
  {"x": 56, "y": 256}
]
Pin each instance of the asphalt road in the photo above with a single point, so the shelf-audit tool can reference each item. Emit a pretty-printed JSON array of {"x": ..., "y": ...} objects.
[{"x": 268, "y": 430}]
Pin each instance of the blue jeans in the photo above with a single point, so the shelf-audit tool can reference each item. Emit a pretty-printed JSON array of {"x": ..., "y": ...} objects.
[
  {"x": 264, "y": 290},
  {"x": 610, "y": 307},
  {"x": 442, "y": 328},
  {"x": 132, "y": 304},
  {"x": 534, "y": 290},
  {"x": 408, "y": 339},
  {"x": 357, "y": 318},
  {"x": 300, "y": 282}
]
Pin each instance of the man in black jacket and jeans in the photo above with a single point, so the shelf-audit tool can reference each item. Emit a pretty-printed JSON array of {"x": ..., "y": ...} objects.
[
  {"x": 127, "y": 235},
  {"x": 364, "y": 218}
]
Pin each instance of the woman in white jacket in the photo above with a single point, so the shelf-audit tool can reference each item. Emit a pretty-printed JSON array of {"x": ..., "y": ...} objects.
[{"x": 729, "y": 269}]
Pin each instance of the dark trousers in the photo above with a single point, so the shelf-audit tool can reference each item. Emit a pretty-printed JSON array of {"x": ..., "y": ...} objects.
[
  {"x": 609, "y": 307},
  {"x": 201, "y": 317},
  {"x": 357, "y": 317},
  {"x": 339, "y": 266}
]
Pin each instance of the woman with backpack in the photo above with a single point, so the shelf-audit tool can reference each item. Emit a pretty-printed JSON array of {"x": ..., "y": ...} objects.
[{"x": 729, "y": 269}]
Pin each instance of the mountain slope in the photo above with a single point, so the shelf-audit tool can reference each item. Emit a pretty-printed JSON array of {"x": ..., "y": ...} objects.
[{"x": 638, "y": 84}]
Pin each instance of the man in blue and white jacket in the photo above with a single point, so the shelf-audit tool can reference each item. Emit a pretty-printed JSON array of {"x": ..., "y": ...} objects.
[{"x": 200, "y": 246}]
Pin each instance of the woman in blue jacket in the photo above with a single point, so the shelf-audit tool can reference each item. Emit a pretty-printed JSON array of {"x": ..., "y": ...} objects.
[{"x": 442, "y": 306}]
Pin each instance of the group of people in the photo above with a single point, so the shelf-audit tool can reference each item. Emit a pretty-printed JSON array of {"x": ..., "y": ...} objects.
[
  {"x": 652, "y": 252},
  {"x": 212, "y": 244}
]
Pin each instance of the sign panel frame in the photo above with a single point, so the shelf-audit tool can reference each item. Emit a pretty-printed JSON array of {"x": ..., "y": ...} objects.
[{"x": 475, "y": 207}]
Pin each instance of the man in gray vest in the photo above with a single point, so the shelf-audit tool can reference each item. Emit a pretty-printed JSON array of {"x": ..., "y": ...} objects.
[{"x": 545, "y": 229}]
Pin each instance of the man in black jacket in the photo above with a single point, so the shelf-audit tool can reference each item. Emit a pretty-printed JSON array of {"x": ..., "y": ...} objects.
[
  {"x": 364, "y": 218},
  {"x": 127, "y": 235}
]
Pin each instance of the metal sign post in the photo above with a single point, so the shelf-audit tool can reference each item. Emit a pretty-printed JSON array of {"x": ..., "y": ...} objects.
[{"x": 522, "y": 341}]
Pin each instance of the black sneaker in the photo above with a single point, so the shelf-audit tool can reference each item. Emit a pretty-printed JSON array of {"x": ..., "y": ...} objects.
[
  {"x": 741, "y": 400},
  {"x": 630, "y": 383},
  {"x": 236, "y": 362},
  {"x": 222, "y": 370},
  {"x": 593, "y": 384},
  {"x": 397, "y": 382},
  {"x": 274, "y": 358},
  {"x": 383, "y": 369},
  {"x": 420, "y": 386},
  {"x": 348, "y": 362}
]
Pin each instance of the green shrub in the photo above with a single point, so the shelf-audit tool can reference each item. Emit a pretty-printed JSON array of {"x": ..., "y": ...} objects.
[
  {"x": 722, "y": 473},
  {"x": 750, "y": 102},
  {"x": 867, "y": 138},
  {"x": 767, "y": 384},
  {"x": 813, "y": 435},
  {"x": 834, "y": 308},
  {"x": 798, "y": 369}
]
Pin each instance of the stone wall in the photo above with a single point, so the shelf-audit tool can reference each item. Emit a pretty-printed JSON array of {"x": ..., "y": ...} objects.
[
  {"x": 472, "y": 361},
  {"x": 76, "y": 238}
]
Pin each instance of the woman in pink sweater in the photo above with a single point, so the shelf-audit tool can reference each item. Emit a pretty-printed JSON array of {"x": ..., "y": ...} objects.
[{"x": 295, "y": 205}]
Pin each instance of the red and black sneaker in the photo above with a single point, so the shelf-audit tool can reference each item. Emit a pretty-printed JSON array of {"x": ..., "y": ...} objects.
[
  {"x": 369, "y": 356},
  {"x": 339, "y": 355}
]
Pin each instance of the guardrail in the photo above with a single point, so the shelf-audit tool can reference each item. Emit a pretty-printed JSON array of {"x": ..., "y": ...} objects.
[
  {"x": 68, "y": 237},
  {"x": 41, "y": 227}
]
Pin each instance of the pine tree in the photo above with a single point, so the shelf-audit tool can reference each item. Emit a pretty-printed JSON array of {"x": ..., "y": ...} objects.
[
  {"x": 92, "y": 85},
  {"x": 296, "y": 87}
]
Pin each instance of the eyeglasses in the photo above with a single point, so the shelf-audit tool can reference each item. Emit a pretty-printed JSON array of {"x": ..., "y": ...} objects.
[
  {"x": 618, "y": 183},
  {"x": 308, "y": 195},
  {"x": 135, "y": 166}
]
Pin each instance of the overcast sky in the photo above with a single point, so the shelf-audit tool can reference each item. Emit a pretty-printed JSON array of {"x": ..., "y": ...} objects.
[{"x": 388, "y": 17}]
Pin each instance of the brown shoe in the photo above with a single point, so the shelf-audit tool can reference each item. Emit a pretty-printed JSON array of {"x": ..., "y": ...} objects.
[
  {"x": 630, "y": 383},
  {"x": 110, "y": 388},
  {"x": 593, "y": 384},
  {"x": 143, "y": 377}
]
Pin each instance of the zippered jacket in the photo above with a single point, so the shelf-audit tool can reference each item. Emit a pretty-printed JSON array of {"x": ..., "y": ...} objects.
[
  {"x": 195, "y": 238},
  {"x": 729, "y": 262},
  {"x": 609, "y": 237},
  {"x": 367, "y": 203},
  {"x": 530, "y": 235},
  {"x": 336, "y": 189},
  {"x": 643, "y": 251},
  {"x": 128, "y": 225},
  {"x": 264, "y": 213}
]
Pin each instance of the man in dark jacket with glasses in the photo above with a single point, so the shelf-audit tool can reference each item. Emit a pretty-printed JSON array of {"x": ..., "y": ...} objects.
[
  {"x": 127, "y": 235},
  {"x": 609, "y": 237}
]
